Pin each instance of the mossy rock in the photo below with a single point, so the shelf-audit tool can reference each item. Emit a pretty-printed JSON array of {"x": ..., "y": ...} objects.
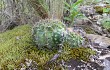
[
  {"x": 79, "y": 53},
  {"x": 82, "y": 53},
  {"x": 101, "y": 9},
  {"x": 88, "y": 30},
  {"x": 17, "y": 45}
]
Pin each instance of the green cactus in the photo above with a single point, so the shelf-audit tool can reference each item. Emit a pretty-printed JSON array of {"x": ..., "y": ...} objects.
[
  {"x": 73, "y": 39},
  {"x": 51, "y": 33},
  {"x": 48, "y": 33}
]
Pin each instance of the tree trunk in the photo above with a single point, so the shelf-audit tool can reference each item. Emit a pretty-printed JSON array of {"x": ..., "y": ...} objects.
[
  {"x": 49, "y": 9},
  {"x": 55, "y": 8}
]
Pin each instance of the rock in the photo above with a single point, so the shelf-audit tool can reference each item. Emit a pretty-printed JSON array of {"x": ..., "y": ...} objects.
[
  {"x": 107, "y": 64},
  {"x": 102, "y": 41},
  {"x": 80, "y": 65},
  {"x": 87, "y": 10},
  {"x": 97, "y": 18},
  {"x": 104, "y": 56}
]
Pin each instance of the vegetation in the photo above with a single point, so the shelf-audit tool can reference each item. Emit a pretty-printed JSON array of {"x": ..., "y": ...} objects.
[
  {"x": 106, "y": 23},
  {"x": 52, "y": 33},
  {"x": 34, "y": 32},
  {"x": 12, "y": 47},
  {"x": 17, "y": 45},
  {"x": 101, "y": 9},
  {"x": 48, "y": 33},
  {"x": 72, "y": 9}
]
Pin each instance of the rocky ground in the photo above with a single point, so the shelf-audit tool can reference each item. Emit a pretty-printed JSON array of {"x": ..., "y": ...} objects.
[
  {"x": 100, "y": 61},
  {"x": 99, "y": 40}
]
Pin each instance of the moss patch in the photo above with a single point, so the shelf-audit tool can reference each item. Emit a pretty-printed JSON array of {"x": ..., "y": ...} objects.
[
  {"x": 79, "y": 53},
  {"x": 89, "y": 30},
  {"x": 17, "y": 45},
  {"x": 12, "y": 45},
  {"x": 101, "y": 9}
]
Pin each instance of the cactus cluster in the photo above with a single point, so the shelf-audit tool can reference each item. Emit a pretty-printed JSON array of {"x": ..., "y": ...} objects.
[{"x": 52, "y": 33}]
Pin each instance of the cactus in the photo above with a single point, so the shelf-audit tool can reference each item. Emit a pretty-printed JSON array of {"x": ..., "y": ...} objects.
[
  {"x": 51, "y": 33},
  {"x": 73, "y": 39}
]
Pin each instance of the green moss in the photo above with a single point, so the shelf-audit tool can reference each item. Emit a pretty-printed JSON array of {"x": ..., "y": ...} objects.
[
  {"x": 82, "y": 53},
  {"x": 101, "y": 9},
  {"x": 71, "y": 53},
  {"x": 17, "y": 45},
  {"x": 79, "y": 53},
  {"x": 89, "y": 30}
]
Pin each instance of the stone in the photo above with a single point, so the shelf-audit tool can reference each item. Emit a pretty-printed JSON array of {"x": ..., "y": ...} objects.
[{"x": 102, "y": 41}]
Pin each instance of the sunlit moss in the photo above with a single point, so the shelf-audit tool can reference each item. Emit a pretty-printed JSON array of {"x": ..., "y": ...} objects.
[
  {"x": 12, "y": 45},
  {"x": 71, "y": 53},
  {"x": 82, "y": 53},
  {"x": 17, "y": 45},
  {"x": 100, "y": 9},
  {"x": 79, "y": 53},
  {"x": 88, "y": 30}
]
